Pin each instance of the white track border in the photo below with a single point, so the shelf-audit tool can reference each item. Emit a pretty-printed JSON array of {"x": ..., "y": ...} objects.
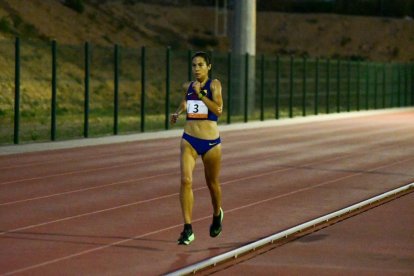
[{"x": 270, "y": 239}]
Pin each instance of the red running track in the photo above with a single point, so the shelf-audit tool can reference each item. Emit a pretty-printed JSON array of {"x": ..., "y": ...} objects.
[
  {"x": 376, "y": 242},
  {"x": 114, "y": 209}
]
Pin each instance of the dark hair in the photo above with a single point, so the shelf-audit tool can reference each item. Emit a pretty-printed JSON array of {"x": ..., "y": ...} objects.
[{"x": 204, "y": 55}]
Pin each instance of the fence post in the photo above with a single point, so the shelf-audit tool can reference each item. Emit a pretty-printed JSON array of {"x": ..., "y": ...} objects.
[
  {"x": 53, "y": 103},
  {"x": 348, "y": 92},
  {"x": 399, "y": 85},
  {"x": 367, "y": 87},
  {"x": 392, "y": 96},
  {"x": 291, "y": 88},
  {"x": 17, "y": 91},
  {"x": 402, "y": 88},
  {"x": 316, "y": 100},
  {"x": 277, "y": 92},
  {"x": 407, "y": 95},
  {"x": 246, "y": 88},
  {"x": 328, "y": 73},
  {"x": 412, "y": 85},
  {"x": 190, "y": 65},
  {"x": 86, "y": 99},
  {"x": 143, "y": 75},
  {"x": 167, "y": 88},
  {"x": 262, "y": 62},
  {"x": 304, "y": 87},
  {"x": 229, "y": 62},
  {"x": 375, "y": 86},
  {"x": 358, "y": 89},
  {"x": 338, "y": 86},
  {"x": 116, "y": 88},
  {"x": 210, "y": 73},
  {"x": 383, "y": 84}
]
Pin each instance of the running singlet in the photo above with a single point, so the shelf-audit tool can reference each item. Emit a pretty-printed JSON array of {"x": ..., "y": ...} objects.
[{"x": 196, "y": 108}]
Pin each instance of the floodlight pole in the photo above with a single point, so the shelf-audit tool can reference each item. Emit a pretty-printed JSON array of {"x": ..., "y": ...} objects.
[{"x": 243, "y": 44}]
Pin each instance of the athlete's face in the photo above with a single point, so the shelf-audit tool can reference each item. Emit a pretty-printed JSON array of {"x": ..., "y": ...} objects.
[{"x": 200, "y": 68}]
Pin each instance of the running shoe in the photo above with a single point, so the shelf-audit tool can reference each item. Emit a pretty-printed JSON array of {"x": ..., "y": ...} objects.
[
  {"x": 186, "y": 237},
  {"x": 216, "y": 227}
]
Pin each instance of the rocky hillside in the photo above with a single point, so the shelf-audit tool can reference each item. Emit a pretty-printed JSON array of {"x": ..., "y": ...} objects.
[{"x": 138, "y": 24}]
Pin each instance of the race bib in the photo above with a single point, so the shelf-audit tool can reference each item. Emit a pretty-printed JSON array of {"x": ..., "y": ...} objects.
[{"x": 197, "y": 109}]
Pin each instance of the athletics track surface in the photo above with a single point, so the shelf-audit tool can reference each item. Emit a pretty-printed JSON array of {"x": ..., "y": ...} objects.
[{"x": 113, "y": 209}]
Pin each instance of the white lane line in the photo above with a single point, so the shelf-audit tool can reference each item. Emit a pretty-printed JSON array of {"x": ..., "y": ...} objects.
[
  {"x": 212, "y": 260},
  {"x": 203, "y": 188},
  {"x": 80, "y": 171},
  {"x": 87, "y": 189},
  {"x": 231, "y": 254},
  {"x": 153, "y": 199}
]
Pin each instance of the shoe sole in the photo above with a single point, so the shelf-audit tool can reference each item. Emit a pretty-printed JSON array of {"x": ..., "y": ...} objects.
[
  {"x": 187, "y": 242},
  {"x": 221, "y": 220}
]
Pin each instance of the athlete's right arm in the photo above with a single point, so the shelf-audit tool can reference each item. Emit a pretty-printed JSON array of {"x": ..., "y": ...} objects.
[{"x": 181, "y": 107}]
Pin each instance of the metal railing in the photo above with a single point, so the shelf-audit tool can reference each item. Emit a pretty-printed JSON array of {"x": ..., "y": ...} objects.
[{"x": 71, "y": 91}]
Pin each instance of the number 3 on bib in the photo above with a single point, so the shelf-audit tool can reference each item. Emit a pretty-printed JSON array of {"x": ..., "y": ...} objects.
[{"x": 197, "y": 110}]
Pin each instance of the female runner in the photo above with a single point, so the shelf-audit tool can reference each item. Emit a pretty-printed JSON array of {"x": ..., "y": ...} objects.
[{"x": 203, "y": 104}]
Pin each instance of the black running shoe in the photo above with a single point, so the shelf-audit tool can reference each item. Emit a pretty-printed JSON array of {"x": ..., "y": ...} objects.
[
  {"x": 186, "y": 237},
  {"x": 215, "y": 227}
]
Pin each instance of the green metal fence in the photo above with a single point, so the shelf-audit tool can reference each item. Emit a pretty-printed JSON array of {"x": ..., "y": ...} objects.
[{"x": 59, "y": 92}]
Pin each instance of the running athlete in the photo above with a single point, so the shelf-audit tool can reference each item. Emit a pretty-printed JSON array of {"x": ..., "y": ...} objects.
[{"x": 203, "y": 104}]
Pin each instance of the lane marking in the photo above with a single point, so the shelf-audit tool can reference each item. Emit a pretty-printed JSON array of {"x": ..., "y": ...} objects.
[
  {"x": 192, "y": 269},
  {"x": 213, "y": 260},
  {"x": 138, "y": 179},
  {"x": 152, "y": 199},
  {"x": 80, "y": 171},
  {"x": 203, "y": 188},
  {"x": 87, "y": 189},
  {"x": 130, "y": 180},
  {"x": 121, "y": 165},
  {"x": 150, "y": 233}
]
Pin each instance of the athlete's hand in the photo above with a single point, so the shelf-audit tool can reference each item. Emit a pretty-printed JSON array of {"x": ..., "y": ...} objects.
[
  {"x": 197, "y": 87},
  {"x": 174, "y": 118}
]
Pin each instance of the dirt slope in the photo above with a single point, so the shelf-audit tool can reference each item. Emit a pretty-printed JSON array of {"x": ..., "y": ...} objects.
[{"x": 136, "y": 25}]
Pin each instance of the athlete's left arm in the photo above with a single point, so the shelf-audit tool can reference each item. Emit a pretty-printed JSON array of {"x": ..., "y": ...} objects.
[{"x": 216, "y": 104}]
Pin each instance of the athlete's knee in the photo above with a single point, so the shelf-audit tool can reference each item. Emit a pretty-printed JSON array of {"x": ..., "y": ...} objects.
[{"x": 186, "y": 181}]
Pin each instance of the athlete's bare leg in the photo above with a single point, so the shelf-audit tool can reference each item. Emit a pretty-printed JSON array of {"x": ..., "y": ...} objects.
[
  {"x": 188, "y": 161},
  {"x": 212, "y": 165}
]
